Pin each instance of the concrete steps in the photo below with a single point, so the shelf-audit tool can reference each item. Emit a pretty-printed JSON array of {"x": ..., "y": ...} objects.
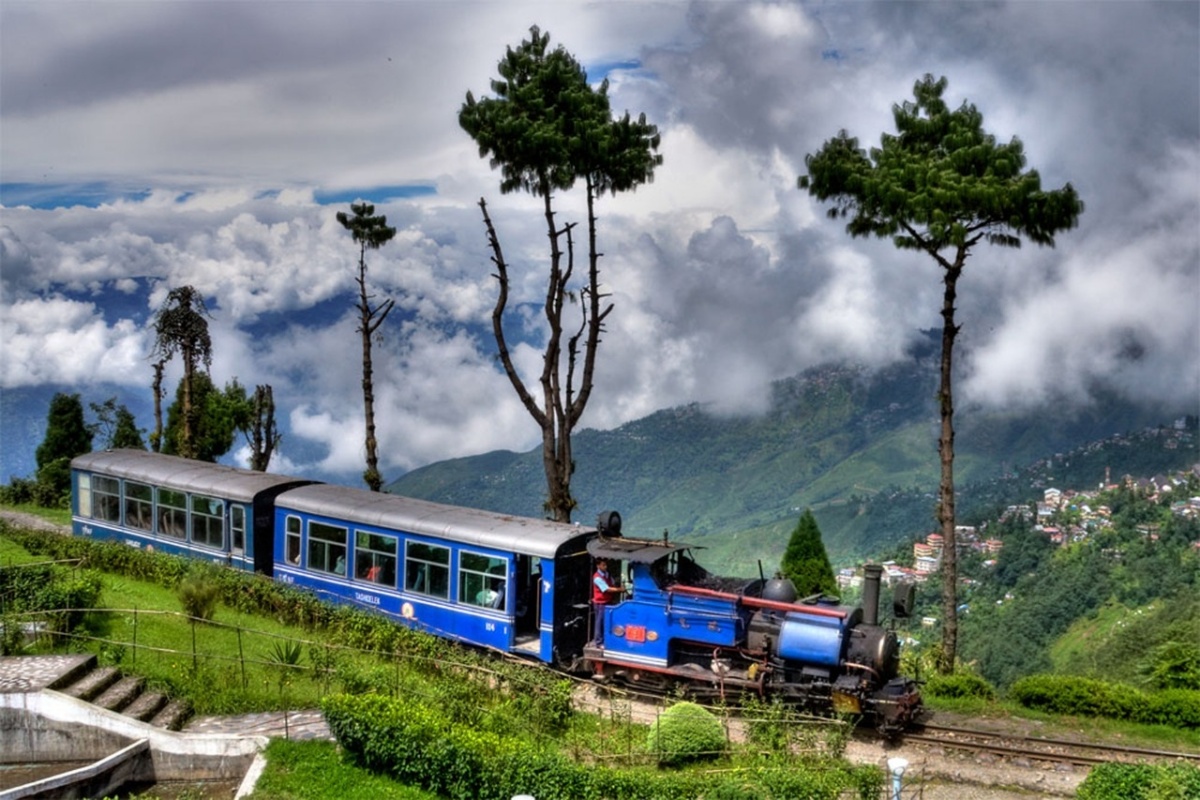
[{"x": 108, "y": 688}]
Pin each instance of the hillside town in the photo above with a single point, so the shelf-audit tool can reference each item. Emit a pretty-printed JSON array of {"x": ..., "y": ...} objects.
[{"x": 1064, "y": 517}]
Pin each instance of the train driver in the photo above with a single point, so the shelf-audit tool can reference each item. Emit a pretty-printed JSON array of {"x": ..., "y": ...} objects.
[{"x": 605, "y": 591}]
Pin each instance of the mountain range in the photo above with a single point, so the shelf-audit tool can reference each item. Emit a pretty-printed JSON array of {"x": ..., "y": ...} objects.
[{"x": 858, "y": 447}]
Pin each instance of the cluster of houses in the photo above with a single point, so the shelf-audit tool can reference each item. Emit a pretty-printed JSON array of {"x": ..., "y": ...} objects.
[{"x": 1063, "y": 516}]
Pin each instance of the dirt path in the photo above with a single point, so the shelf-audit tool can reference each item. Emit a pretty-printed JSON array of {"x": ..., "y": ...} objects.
[{"x": 21, "y": 519}]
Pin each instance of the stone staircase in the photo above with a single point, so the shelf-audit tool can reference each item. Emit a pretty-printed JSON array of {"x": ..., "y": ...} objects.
[{"x": 108, "y": 688}]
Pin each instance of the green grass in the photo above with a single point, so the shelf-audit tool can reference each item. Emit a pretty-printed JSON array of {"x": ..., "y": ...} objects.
[
  {"x": 12, "y": 554},
  {"x": 1088, "y": 635},
  {"x": 315, "y": 770}
]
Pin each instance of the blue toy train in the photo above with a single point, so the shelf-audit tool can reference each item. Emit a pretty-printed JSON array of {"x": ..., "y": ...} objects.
[{"x": 512, "y": 584}]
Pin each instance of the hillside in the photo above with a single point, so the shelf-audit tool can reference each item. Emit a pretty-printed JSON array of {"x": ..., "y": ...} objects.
[{"x": 857, "y": 447}]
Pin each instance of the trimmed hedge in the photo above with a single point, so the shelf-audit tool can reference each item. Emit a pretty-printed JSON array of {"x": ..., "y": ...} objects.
[
  {"x": 686, "y": 732},
  {"x": 1064, "y": 694},
  {"x": 417, "y": 745},
  {"x": 1140, "y": 782},
  {"x": 958, "y": 686}
]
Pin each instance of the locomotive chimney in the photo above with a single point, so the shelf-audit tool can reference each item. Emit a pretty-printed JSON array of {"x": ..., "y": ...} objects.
[{"x": 870, "y": 601}]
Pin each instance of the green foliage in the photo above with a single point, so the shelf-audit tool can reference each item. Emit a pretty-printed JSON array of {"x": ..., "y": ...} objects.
[
  {"x": 1141, "y": 782},
  {"x": 315, "y": 770},
  {"x": 940, "y": 182},
  {"x": 1173, "y": 665},
  {"x": 547, "y": 126},
  {"x": 116, "y": 426},
  {"x": 416, "y": 744},
  {"x": 959, "y": 685},
  {"x": 1062, "y": 694},
  {"x": 54, "y": 594},
  {"x": 805, "y": 561},
  {"x": 218, "y": 416},
  {"x": 199, "y": 596},
  {"x": 67, "y": 436},
  {"x": 686, "y": 732}
]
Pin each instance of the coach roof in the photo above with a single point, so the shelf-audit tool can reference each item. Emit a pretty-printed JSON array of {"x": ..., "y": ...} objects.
[
  {"x": 184, "y": 474},
  {"x": 535, "y": 537}
]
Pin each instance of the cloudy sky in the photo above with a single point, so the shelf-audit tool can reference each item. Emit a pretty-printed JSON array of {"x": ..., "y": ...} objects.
[{"x": 146, "y": 145}]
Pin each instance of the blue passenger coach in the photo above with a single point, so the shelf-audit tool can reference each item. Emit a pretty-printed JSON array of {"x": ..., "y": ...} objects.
[
  {"x": 510, "y": 583},
  {"x": 177, "y": 505}
]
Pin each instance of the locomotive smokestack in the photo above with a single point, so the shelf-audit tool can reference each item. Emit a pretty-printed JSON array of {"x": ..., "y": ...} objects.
[{"x": 871, "y": 575}]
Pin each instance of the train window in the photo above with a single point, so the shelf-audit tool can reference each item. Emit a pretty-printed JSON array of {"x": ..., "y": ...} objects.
[
  {"x": 85, "y": 494},
  {"x": 139, "y": 505},
  {"x": 326, "y": 548},
  {"x": 293, "y": 540},
  {"x": 208, "y": 521},
  {"x": 106, "y": 498},
  {"x": 172, "y": 513},
  {"x": 482, "y": 580},
  {"x": 237, "y": 527},
  {"x": 375, "y": 557},
  {"x": 427, "y": 569}
]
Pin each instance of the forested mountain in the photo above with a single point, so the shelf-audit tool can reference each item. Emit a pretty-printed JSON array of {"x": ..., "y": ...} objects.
[{"x": 857, "y": 447}]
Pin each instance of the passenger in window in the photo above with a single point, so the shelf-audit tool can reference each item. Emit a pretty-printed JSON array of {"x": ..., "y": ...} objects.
[{"x": 340, "y": 566}]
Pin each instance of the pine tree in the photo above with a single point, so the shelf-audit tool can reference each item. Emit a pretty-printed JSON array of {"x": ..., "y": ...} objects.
[
  {"x": 805, "y": 561},
  {"x": 369, "y": 232},
  {"x": 546, "y": 128},
  {"x": 940, "y": 185},
  {"x": 67, "y": 436}
]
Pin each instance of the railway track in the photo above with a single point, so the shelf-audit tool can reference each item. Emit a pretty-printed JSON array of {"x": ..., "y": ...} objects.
[{"x": 1036, "y": 748}]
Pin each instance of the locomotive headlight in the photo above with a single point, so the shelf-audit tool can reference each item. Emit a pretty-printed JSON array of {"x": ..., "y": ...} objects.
[
  {"x": 618, "y": 630},
  {"x": 651, "y": 636}
]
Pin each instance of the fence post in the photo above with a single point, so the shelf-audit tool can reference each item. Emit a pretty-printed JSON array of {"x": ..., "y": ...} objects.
[
  {"x": 241, "y": 657},
  {"x": 195, "y": 665},
  {"x": 135, "y": 624}
]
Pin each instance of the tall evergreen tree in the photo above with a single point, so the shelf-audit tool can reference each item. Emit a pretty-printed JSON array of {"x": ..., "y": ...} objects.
[
  {"x": 545, "y": 128},
  {"x": 941, "y": 185},
  {"x": 180, "y": 328},
  {"x": 805, "y": 561},
  {"x": 370, "y": 232},
  {"x": 67, "y": 436}
]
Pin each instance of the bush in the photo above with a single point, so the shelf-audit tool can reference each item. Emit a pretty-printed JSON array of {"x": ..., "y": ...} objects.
[
  {"x": 1140, "y": 782},
  {"x": 959, "y": 685},
  {"x": 416, "y": 745},
  {"x": 199, "y": 597},
  {"x": 686, "y": 732},
  {"x": 1063, "y": 694}
]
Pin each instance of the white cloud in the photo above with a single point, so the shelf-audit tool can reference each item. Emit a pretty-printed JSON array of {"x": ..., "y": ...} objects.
[
  {"x": 219, "y": 125},
  {"x": 60, "y": 341}
]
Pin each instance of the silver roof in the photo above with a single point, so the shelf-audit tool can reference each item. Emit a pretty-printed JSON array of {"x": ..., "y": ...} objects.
[
  {"x": 641, "y": 551},
  {"x": 184, "y": 474},
  {"x": 535, "y": 537}
]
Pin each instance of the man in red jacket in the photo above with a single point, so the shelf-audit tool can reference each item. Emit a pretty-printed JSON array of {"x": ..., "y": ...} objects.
[{"x": 604, "y": 592}]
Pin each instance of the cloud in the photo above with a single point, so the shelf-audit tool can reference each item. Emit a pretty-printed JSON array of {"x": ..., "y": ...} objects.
[
  {"x": 60, "y": 341},
  {"x": 190, "y": 143}
]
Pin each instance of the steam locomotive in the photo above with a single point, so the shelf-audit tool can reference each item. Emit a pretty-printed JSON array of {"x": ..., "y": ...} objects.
[{"x": 512, "y": 584}]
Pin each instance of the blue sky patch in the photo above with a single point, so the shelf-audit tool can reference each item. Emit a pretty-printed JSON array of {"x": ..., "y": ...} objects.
[
  {"x": 46, "y": 196},
  {"x": 374, "y": 194}
]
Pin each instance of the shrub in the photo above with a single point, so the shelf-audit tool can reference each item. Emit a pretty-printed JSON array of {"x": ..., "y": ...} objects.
[
  {"x": 199, "y": 597},
  {"x": 1140, "y": 782},
  {"x": 686, "y": 732},
  {"x": 1063, "y": 694},
  {"x": 959, "y": 685}
]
